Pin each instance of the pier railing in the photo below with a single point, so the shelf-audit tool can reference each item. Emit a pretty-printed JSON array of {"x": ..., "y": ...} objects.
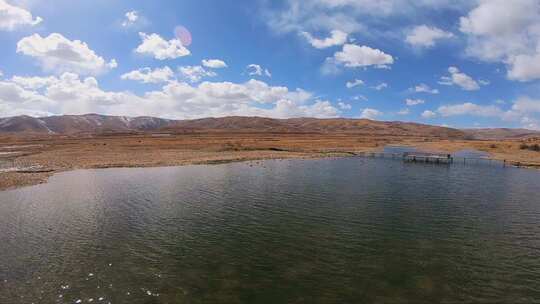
[{"x": 438, "y": 158}]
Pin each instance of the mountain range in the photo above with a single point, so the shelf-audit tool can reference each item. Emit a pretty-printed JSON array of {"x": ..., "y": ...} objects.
[{"x": 99, "y": 124}]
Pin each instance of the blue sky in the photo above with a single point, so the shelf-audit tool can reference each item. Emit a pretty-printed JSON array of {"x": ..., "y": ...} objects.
[{"x": 445, "y": 62}]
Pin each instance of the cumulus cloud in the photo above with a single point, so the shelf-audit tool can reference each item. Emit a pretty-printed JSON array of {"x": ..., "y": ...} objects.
[
  {"x": 55, "y": 53},
  {"x": 414, "y": 102},
  {"x": 354, "y": 56},
  {"x": 460, "y": 79},
  {"x": 349, "y": 16},
  {"x": 427, "y": 114},
  {"x": 130, "y": 18},
  {"x": 337, "y": 37},
  {"x": 13, "y": 17},
  {"x": 344, "y": 106},
  {"x": 469, "y": 108},
  {"x": 161, "y": 49},
  {"x": 369, "y": 113},
  {"x": 524, "y": 110},
  {"x": 195, "y": 73},
  {"x": 33, "y": 83},
  {"x": 70, "y": 94},
  {"x": 524, "y": 67},
  {"x": 214, "y": 63},
  {"x": 425, "y": 36},
  {"x": 526, "y": 105},
  {"x": 404, "y": 112},
  {"x": 360, "y": 98},
  {"x": 354, "y": 83},
  {"x": 507, "y": 32},
  {"x": 147, "y": 75},
  {"x": 64, "y": 94},
  {"x": 257, "y": 70},
  {"x": 424, "y": 88},
  {"x": 15, "y": 95},
  {"x": 380, "y": 86}
]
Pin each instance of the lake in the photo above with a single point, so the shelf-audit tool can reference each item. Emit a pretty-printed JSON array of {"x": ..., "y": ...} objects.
[{"x": 349, "y": 230}]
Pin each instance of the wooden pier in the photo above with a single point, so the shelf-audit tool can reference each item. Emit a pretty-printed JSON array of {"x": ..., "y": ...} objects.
[
  {"x": 438, "y": 158},
  {"x": 424, "y": 157}
]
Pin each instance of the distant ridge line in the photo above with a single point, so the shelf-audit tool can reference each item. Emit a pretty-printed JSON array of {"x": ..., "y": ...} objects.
[{"x": 98, "y": 124}]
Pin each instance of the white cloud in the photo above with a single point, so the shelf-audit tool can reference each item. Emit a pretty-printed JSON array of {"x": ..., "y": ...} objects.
[
  {"x": 484, "y": 82},
  {"x": 12, "y": 17},
  {"x": 531, "y": 124},
  {"x": 427, "y": 114},
  {"x": 462, "y": 80},
  {"x": 344, "y": 106},
  {"x": 160, "y": 48},
  {"x": 58, "y": 54},
  {"x": 69, "y": 94},
  {"x": 414, "y": 102},
  {"x": 360, "y": 97},
  {"x": 372, "y": 114},
  {"x": 527, "y": 105},
  {"x": 524, "y": 67},
  {"x": 214, "y": 63},
  {"x": 354, "y": 56},
  {"x": 330, "y": 67},
  {"x": 528, "y": 119},
  {"x": 131, "y": 18},
  {"x": 257, "y": 70},
  {"x": 337, "y": 37},
  {"x": 404, "y": 112},
  {"x": 424, "y": 88},
  {"x": 309, "y": 16},
  {"x": 525, "y": 111},
  {"x": 33, "y": 83},
  {"x": 15, "y": 96},
  {"x": 195, "y": 73},
  {"x": 349, "y": 16},
  {"x": 470, "y": 109},
  {"x": 354, "y": 83},
  {"x": 425, "y": 36},
  {"x": 380, "y": 86},
  {"x": 64, "y": 94},
  {"x": 507, "y": 32},
  {"x": 147, "y": 75}
]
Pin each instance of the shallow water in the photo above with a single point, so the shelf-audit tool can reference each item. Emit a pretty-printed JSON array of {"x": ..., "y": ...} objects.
[{"x": 347, "y": 230}]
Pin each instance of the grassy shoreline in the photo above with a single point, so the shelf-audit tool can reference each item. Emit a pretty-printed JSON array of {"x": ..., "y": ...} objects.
[{"x": 60, "y": 154}]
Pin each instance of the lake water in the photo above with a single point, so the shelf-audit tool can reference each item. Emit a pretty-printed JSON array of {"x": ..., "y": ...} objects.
[{"x": 349, "y": 230}]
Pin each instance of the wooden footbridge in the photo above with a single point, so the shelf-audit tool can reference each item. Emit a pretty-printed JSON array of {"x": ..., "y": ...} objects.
[
  {"x": 424, "y": 157},
  {"x": 414, "y": 157},
  {"x": 437, "y": 158}
]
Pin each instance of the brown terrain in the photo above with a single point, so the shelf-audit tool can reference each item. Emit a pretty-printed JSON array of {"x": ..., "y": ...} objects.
[{"x": 31, "y": 149}]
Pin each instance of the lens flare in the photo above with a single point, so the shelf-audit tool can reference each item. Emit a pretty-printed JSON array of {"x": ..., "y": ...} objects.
[{"x": 183, "y": 35}]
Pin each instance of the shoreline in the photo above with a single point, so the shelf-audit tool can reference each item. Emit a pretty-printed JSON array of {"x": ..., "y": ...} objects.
[
  {"x": 61, "y": 153},
  {"x": 16, "y": 180},
  {"x": 28, "y": 179}
]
